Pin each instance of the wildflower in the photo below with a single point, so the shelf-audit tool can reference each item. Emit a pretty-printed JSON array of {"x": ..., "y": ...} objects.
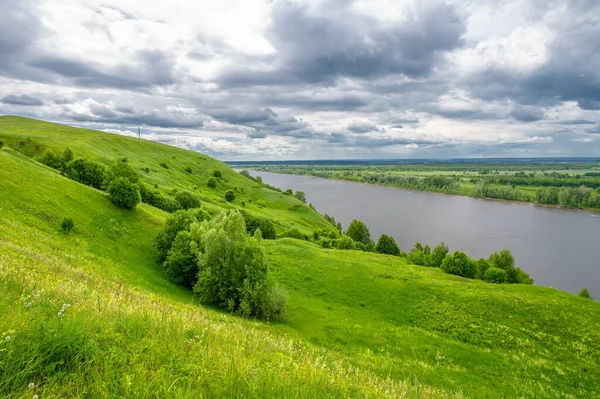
[
  {"x": 35, "y": 397},
  {"x": 31, "y": 385},
  {"x": 7, "y": 338}
]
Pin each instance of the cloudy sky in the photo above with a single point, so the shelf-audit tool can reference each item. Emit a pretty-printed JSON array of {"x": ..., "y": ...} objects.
[{"x": 313, "y": 79}]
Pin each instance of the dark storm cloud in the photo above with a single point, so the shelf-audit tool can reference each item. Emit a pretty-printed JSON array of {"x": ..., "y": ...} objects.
[
  {"x": 338, "y": 42},
  {"x": 571, "y": 72},
  {"x": 22, "y": 99},
  {"x": 152, "y": 68}
]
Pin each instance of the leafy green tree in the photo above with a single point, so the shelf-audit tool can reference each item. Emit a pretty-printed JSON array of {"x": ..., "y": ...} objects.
[
  {"x": 67, "y": 155},
  {"x": 233, "y": 272},
  {"x": 217, "y": 173},
  {"x": 212, "y": 182},
  {"x": 123, "y": 193},
  {"x": 179, "y": 221},
  {"x": 495, "y": 275},
  {"x": 181, "y": 265},
  {"x": 187, "y": 200},
  {"x": 230, "y": 196},
  {"x": 359, "y": 232},
  {"x": 254, "y": 223},
  {"x": 288, "y": 192},
  {"x": 387, "y": 245},
  {"x": 51, "y": 159},
  {"x": 458, "y": 264},
  {"x": 437, "y": 255},
  {"x": 301, "y": 196},
  {"x": 584, "y": 293},
  {"x": 505, "y": 261},
  {"x": 346, "y": 242},
  {"x": 294, "y": 233},
  {"x": 86, "y": 172},
  {"x": 120, "y": 169},
  {"x": 481, "y": 266}
]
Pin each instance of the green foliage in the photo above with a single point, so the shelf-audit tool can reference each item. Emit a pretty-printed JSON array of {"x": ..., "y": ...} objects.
[
  {"x": 266, "y": 227},
  {"x": 301, "y": 196},
  {"x": 437, "y": 255},
  {"x": 212, "y": 182},
  {"x": 120, "y": 169},
  {"x": 217, "y": 173},
  {"x": 458, "y": 264},
  {"x": 584, "y": 293},
  {"x": 325, "y": 243},
  {"x": 164, "y": 165},
  {"x": 359, "y": 232},
  {"x": 179, "y": 221},
  {"x": 387, "y": 245},
  {"x": 123, "y": 193},
  {"x": 233, "y": 269},
  {"x": 181, "y": 265},
  {"x": 51, "y": 159},
  {"x": 187, "y": 200},
  {"x": 346, "y": 242},
  {"x": 505, "y": 261},
  {"x": 67, "y": 155},
  {"x": 67, "y": 225},
  {"x": 495, "y": 275},
  {"x": 289, "y": 191},
  {"x": 1, "y": 144},
  {"x": 188, "y": 170},
  {"x": 230, "y": 196},
  {"x": 294, "y": 233},
  {"x": 155, "y": 198},
  {"x": 482, "y": 265},
  {"x": 86, "y": 172}
]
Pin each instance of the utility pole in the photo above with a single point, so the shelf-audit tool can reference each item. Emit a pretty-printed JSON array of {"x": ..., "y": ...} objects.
[{"x": 139, "y": 133}]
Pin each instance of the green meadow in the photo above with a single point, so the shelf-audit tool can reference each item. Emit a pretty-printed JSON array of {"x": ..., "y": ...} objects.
[{"x": 92, "y": 314}]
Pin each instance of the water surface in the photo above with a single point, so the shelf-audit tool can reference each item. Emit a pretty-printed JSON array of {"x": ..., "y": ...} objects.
[{"x": 558, "y": 248}]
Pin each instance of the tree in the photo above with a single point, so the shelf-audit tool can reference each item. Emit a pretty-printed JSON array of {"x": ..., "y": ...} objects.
[
  {"x": 67, "y": 225},
  {"x": 266, "y": 227},
  {"x": 458, "y": 264},
  {"x": 180, "y": 264},
  {"x": 212, "y": 182},
  {"x": 438, "y": 254},
  {"x": 86, "y": 172},
  {"x": 181, "y": 220},
  {"x": 346, "y": 242},
  {"x": 120, "y": 169},
  {"x": 584, "y": 293},
  {"x": 294, "y": 233},
  {"x": 67, "y": 155},
  {"x": 187, "y": 200},
  {"x": 230, "y": 196},
  {"x": 123, "y": 193},
  {"x": 387, "y": 245},
  {"x": 495, "y": 275},
  {"x": 301, "y": 196},
  {"x": 481, "y": 266},
  {"x": 233, "y": 271},
  {"x": 217, "y": 173},
  {"x": 359, "y": 232},
  {"x": 51, "y": 159}
]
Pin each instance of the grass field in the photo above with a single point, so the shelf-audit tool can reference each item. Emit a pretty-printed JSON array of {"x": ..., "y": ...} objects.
[{"x": 90, "y": 313}]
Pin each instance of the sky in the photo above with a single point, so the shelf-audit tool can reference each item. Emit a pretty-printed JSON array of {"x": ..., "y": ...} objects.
[{"x": 313, "y": 79}]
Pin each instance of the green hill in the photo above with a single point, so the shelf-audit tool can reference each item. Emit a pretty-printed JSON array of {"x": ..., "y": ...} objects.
[{"x": 90, "y": 313}]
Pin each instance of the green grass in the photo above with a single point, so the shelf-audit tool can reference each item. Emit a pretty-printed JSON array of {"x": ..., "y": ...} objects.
[{"x": 359, "y": 325}]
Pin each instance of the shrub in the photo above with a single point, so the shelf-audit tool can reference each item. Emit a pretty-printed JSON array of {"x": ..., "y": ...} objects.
[
  {"x": 212, "y": 182},
  {"x": 67, "y": 155},
  {"x": 123, "y": 193},
  {"x": 495, "y": 275},
  {"x": 288, "y": 192},
  {"x": 346, "y": 242},
  {"x": 458, "y": 264},
  {"x": 120, "y": 169},
  {"x": 217, "y": 173},
  {"x": 188, "y": 170},
  {"x": 164, "y": 165},
  {"x": 230, "y": 196},
  {"x": 437, "y": 255},
  {"x": 187, "y": 200},
  {"x": 359, "y": 232},
  {"x": 86, "y": 172},
  {"x": 387, "y": 245},
  {"x": 266, "y": 227},
  {"x": 180, "y": 221},
  {"x": 505, "y": 261},
  {"x": 325, "y": 243},
  {"x": 51, "y": 159},
  {"x": 301, "y": 196},
  {"x": 67, "y": 225},
  {"x": 233, "y": 272},
  {"x": 1, "y": 144},
  {"x": 584, "y": 293},
  {"x": 481, "y": 266},
  {"x": 294, "y": 233},
  {"x": 180, "y": 264}
]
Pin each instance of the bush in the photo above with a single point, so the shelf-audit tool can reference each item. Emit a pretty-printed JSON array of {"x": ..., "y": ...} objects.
[
  {"x": 294, "y": 233},
  {"x": 67, "y": 155},
  {"x": 326, "y": 243},
  {"x": 67, "y": 225},
  {"x": 179, "y": 221},
  {"x": 458, "y": 264},
  {"x": 123, "y": 193},
  {"x": 359, "y": 232},
  {"x": 120, "y": 169},
  {"x": 230, "y": 196},
  {"x": 187, "y": 200},
  {"x": 188, "y": 170},
  {"x": 233, "y": 272},
  {"x": 346, "y": 242},
  {"x": 584, "y": 293},
  {"x": 495, "y": 275},
  {"x": 387, "y": 245},
  {"x": 217, "y": 173},
  {"x": 266, "y": 227},
  {"x": 481, "y": 266},
  {"x": 212, "y": 182},
  {"x": 1, "y": 144},
  {"x": 164, "y": 165},
  {"x": 301, "y": 196},
  {"x": 86, "y": 172},
  {"x": 437, "y": 255},
  {"x": 180, "y": 264},
  {"x": 505, "y": 261},
  {"x": 51, "y": 159}
]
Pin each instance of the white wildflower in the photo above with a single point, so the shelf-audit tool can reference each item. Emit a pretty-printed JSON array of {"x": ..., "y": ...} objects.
[
  {"x": 31, "y": 385},
  {"x": 35, "y": 397},
  {"x": 7, "y": 338}
]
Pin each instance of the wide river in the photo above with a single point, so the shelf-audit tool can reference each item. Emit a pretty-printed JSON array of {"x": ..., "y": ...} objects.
[{"x": 558, "y": 248}]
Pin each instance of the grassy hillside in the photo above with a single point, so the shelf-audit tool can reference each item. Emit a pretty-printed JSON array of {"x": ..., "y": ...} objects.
[{"x": 90, "y": 314}]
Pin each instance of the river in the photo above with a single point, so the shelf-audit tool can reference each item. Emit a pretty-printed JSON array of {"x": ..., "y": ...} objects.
[{"x": 558, "y": 248}]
